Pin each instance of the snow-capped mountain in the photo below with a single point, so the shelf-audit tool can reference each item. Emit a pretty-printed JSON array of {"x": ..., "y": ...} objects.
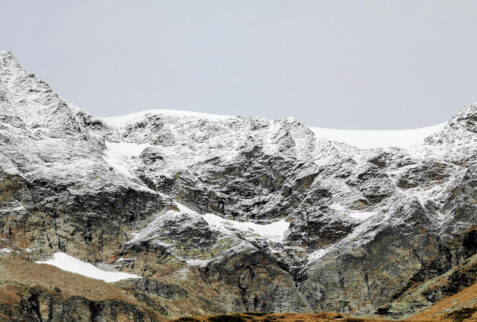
[{"x": 222, "y": 214}]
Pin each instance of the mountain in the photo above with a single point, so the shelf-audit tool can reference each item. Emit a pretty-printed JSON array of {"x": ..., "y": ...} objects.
[{"x": 223, "y": 214}]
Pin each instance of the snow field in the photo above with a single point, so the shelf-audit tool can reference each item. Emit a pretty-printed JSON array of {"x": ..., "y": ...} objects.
[{"x": 68, "y": 263}]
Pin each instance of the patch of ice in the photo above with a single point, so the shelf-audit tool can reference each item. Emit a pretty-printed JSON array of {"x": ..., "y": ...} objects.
[
  {"x": 368, "y": 139},
  {"x": 70, "y": 264}
]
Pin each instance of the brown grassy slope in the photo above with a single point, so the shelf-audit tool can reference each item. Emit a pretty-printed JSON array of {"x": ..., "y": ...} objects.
[
  {"x": 47, "y": 277},
  {"x": 457, "y": 288},
  {"x": 286, "y": 317},
  {"x": 19, "y": 276},
  {"x": 459, "y": 307}
]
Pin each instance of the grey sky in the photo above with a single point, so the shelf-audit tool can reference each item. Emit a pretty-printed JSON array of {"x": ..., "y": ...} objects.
[{"x": 342, "y": 64}]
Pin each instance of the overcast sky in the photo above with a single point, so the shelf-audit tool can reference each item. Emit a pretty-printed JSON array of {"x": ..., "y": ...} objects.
[{"x": 340, "y": 64}]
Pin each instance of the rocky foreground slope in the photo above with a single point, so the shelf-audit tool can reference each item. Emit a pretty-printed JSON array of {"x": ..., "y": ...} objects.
[{"x": 224, "y": 214}]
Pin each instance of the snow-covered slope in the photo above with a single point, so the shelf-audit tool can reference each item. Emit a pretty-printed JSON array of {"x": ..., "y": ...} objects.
[
  {"x": 257, "y": 214},
  {"x": 123, "y": 120},
  {"x": 365, "y": 139}
]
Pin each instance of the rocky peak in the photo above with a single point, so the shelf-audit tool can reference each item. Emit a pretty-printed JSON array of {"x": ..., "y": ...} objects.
[
  {"x": 466, "y": 118},
  {"x": 231, "y": 213},
  {"x": 458, "y": 140}
]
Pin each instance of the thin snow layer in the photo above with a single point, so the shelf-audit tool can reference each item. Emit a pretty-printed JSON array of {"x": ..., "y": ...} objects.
[
  {"x": 122, "y": 120},
  {"x": 70, "y": 264},
  {"x": 5, "y": 250},
  {"x": 361, "y": 215},
  {"x": 126, "y": 149},
  {"x": 365, "y": 139},
  {"x": 357, "y": 215},
  {"x": 117, "y": 155},
  {"x": 379, "y": 139},
  {"x": 318, "y": 254},
  {"x": 361, "y": 234},
  {"x": 274, "y": 231},
  {"x": 197, "y": 262}
]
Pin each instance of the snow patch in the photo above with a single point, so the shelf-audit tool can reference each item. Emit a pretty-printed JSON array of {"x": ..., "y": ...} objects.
[
  {"x": 197, "y": 262},
  {"x": 125, "y": 149},
  {"x": 118, "y": 155},
  {"x": 274, "y": 231},
  {"x": 6, "y": 250},
  {"x": 70, "y": 264},
  {"x": 361, "y": 215},
  {"x": 318, "y": 254},
  {"x": 369, "y": 139},
  {"x": 357, "y": 215}
]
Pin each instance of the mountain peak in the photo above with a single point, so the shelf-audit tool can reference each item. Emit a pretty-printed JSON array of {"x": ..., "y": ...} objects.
[
  {"x": 467, "y": 118},
  {"x": 224, "y": 214},
  {"x": 5, "y": 54},
  {"x": 9, "y": 64}
]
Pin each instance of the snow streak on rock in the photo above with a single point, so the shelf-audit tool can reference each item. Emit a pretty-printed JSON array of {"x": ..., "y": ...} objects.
[{"x": 339, "y": 219}]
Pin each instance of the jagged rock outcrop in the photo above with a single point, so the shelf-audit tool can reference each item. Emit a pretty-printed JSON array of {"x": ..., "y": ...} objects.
[{"x": 229, "y": 214}]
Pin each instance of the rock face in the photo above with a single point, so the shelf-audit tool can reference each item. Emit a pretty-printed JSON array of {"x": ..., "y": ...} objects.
[{"x": 229, "y": 214}]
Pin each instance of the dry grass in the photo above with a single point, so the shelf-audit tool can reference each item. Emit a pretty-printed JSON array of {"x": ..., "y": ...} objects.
[
  {"x": 459, "y": 307},
  {"x": 17, "y": 274},
  {"x": 47, "y": 277},
  {"x": 286, "y": 317}
]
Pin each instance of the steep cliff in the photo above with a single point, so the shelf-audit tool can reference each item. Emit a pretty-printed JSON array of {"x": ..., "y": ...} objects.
[{"x": 223, "y": 214}]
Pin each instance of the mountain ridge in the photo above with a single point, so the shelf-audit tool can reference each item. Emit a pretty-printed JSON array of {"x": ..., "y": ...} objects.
[{"x": 174, "y": 199}]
